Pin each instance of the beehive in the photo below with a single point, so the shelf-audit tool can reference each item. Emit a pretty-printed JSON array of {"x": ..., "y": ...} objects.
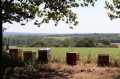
[
  {"x": 44, "y": 55},
  {"x": 103, "y": 59},
  {"x": 72, "y": 58},
  {"x": 16, "y": 52},
  {"x": 29, "y": 54}
]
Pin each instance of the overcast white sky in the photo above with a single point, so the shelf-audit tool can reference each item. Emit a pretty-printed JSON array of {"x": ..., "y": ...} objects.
[{"x": 91, "y": 20}]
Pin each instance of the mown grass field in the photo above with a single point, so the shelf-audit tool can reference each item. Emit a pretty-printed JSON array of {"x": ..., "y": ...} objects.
[{"x": 59, "y": 54}]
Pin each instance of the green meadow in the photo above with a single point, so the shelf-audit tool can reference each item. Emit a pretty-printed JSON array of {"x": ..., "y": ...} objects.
[
  {"x": 85, "y": 54},
  {"x": 58, "y": 38}
]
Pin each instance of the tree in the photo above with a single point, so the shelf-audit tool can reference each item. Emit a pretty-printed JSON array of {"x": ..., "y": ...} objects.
[
  {"x": 114, "y": 8},
  {"x": 106, "y": 41},
  {"x": 68, "y": 43},
  {"x": 56, "y": 10},
  {"x": 26, "y": 10},
  {"x": 39, "y": 44},
  {"x": 85, "y": 42}
]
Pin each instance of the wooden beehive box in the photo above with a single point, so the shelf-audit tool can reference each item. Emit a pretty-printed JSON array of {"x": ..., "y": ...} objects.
[
  {"x": 72, "y": 58},
  {"x": 44, "y": 55},
  {"x": 29, "y": 54},
  {"x": 103, "y": 59},
  {"x": 16, "y": 52}
]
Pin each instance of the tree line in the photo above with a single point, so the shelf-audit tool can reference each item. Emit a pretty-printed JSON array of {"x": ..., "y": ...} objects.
[{"x": 36, "y": 41}]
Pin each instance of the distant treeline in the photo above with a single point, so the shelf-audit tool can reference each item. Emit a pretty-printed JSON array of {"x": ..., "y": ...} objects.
[{"x": 74, "y": 40}]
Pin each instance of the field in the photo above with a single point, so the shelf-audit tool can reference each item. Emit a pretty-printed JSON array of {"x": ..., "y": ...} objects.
[
  {"x": 117, "y": 44},
  {"x": 59, "y": 54},
  {"x": 57, "y": 38},
  {"x": 58, "y": 69}
]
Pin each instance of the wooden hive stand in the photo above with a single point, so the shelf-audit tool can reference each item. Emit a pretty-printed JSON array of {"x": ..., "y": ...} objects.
[
  {"x": 103, "y": 60},
  {"x": 72, "y": 58},
  {"x": 44, "y": 55}
]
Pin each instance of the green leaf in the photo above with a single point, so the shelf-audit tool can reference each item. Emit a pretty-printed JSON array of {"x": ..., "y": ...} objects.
[{"x": 70, "y": 27}]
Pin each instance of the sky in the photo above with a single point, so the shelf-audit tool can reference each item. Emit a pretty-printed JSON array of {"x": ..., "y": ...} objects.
[{"x": 91, "y": 20}]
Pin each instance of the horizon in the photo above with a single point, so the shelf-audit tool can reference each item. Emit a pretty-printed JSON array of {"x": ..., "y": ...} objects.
[{"x": 60, "y": 33}]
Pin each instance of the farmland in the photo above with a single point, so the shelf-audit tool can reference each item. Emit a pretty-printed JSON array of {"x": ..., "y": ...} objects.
[
  {"x": 58, "y": 69},
  {"x": 59, "y": 53},
  {"x": 118, "y": 44},
  {"x": 57, "y": 38}
]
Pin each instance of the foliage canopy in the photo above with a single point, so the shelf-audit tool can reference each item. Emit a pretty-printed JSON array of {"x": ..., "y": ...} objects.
[
  {"x": 106, "y": 41},
  {"x": 56, "y": 10},
  {"x": 114, "y": 8}
]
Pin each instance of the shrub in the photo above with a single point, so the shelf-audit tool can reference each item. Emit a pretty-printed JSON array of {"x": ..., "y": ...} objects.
[
  {"x": 106, "y": 41},
  {"x": 117, "y": 62},
  {"x": 85, "y": 42},
  {"x": 9, "y": 62},
  {"x": 101, "y": 45},
  {"x": 113, "y": 45}
]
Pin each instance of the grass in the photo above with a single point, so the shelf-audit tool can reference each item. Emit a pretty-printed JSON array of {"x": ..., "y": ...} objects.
[
  {"x": 57, "y": 38},
  {"x": 60, "y": 70},
  {"x": 85, "y": 53}
]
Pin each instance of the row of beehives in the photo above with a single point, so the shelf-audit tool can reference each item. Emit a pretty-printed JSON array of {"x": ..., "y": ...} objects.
[{"x": 44, "y": 55}]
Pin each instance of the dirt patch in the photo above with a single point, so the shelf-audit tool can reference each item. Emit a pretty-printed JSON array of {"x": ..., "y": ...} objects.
[
  {"x": 55, "y": 70},
  {"x": 84, "y": 71}
]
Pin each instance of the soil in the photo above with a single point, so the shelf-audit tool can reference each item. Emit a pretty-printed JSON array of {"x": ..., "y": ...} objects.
[{"x": 80, "y": 71}]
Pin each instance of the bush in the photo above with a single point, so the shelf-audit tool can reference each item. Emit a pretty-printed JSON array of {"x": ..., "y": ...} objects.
[
  {"x": 39, "y": 44},
  {"x": 117, "y": 62},
  {"x": 113, "y": 45},
  {"x": 85, "y": 42},
  {"x": 101, "y": 45},
  {"x": 9, "y": 62},
  {"x": 106, "y": 41},
  {"x": 30, "y": 70}
]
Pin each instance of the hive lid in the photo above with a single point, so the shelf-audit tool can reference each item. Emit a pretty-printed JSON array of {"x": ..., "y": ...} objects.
[
  {"x": 33, "y": 51},
  {"x": 103, "y": 54},
  {"x": 17, "y": 49},
  {"x": 72, "y": 52}
]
